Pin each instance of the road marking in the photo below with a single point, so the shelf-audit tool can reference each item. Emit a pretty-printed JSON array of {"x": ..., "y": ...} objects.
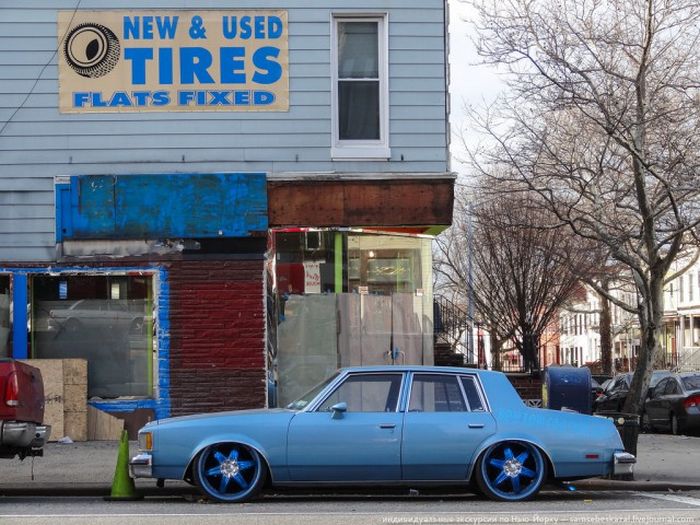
[{"x": 671, "y": 497}]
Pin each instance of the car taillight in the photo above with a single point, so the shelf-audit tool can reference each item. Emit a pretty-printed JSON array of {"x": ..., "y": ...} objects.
[
  {"x": 12, "y": 390},
  {"x": 692, "y": 401}
]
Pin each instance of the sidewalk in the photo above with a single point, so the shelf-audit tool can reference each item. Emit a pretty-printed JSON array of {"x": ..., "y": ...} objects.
[{"x": 665, "y": 462}]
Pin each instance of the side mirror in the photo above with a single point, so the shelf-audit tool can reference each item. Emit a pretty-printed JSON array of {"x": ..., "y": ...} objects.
[{"x": 339, "y": 409}]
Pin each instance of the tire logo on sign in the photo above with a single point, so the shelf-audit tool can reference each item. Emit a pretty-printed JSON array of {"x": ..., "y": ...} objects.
[{"x": 92, "y": 50}]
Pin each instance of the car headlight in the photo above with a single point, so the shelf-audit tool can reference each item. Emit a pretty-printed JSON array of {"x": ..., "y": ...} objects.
[{"x": 145, "y": 441}]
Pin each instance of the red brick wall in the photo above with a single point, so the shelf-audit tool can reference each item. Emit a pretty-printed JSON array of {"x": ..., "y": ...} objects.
[
  {"x": 217, "y": 336},
  {"x": 528, "y": 387}
]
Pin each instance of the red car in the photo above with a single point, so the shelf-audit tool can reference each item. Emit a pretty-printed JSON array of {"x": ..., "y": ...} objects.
[{"x": 22, "y": 432}]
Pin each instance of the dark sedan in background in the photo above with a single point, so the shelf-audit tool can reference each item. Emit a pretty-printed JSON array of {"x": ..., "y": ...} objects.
[
  {"x": 674, "y": 404},
  {"x": 614, "y": 397}
]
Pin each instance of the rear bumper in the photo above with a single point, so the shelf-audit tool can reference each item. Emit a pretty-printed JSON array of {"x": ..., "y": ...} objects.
[
  {"x": 21, "y": 434},
  {"x": 623, "y": 463}
]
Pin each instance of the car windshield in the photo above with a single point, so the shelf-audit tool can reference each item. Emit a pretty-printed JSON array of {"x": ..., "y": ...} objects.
[
  {"x": 691, "y": 382},
  {"x": 310, "y": 395}
]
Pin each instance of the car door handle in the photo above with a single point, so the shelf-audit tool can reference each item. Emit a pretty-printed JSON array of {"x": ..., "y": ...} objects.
[
  {"x": 476, "y": 425},
  {"x": 387, "y": 425}
]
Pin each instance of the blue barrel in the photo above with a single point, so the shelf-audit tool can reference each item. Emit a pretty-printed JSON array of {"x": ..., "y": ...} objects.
[{"x": 567, "y": 387}]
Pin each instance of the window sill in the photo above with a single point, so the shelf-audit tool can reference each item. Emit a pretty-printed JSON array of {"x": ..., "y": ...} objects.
[{"x": 351, "y": 153}]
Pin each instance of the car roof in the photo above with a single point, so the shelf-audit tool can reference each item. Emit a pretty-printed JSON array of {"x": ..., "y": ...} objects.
[{"x": 418, "y": 368}]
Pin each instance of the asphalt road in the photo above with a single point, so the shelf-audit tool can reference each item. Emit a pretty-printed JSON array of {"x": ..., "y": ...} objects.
[{"x": 549, "y": 507}]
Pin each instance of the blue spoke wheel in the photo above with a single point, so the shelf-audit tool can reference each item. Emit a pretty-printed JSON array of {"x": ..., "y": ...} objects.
[
  {"x": 511, "y": 471},
  {"x": 230, "y": 472}
]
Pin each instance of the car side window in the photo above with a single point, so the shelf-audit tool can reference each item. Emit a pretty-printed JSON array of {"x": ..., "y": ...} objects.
[
  {"x": 366, "y": 393},
  {"x": 436, "y": 393},
  {"x": 472, "y": 391},
  {"x": 658, "y": 390},
  {"x": 671, "y": 388},
  {"x": 620, "y": 384}
]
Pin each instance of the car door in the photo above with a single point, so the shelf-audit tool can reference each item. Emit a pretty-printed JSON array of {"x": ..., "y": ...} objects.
[
  {"x": 445, "y": 421},
  {"x": 615, "y": 397},
  {"x": 360, "y": 443},
  {"x": 673, "y": 394},
  {"x": 653, "y": 404}
]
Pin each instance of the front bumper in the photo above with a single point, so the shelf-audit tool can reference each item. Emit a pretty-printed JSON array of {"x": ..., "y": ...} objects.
[
  {"x": 623, "y": 463},
  {"x": 141, "y": 466}
]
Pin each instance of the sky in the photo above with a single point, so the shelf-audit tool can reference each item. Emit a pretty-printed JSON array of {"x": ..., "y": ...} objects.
[{"x": 470, "y": 83}]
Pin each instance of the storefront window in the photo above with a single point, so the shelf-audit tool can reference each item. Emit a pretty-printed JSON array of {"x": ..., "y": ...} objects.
[
  {"x": 4, "y": 316},
  {"x": 105, "y": 319},
  {"x": 345, "y": 299}
]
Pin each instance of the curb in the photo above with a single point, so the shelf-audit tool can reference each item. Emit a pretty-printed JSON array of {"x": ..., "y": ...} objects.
[{"x": 101, "y": 490}]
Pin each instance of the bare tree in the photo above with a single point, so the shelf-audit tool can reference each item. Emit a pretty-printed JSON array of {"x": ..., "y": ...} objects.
[
  {"x": 601, "y": 125},
  {"x": 518, "y": 281}
]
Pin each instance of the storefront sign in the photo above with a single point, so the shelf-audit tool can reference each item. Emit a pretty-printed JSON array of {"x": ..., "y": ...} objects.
[{"x": 136, "y": 61}]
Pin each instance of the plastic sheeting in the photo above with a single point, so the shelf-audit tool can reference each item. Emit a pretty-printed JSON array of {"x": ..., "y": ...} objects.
[{"x": 320, "y": 333}]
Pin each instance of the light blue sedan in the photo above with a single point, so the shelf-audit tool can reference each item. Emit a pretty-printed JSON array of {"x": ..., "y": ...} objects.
[{"x": 386, "y": 426}]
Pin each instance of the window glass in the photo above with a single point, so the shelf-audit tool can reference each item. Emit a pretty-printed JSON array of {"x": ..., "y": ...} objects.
[
  {"x": 359, "y": 83},
  {"x": 4, "y": 315},
  {"x": 358, "y": 50},
  {"x": 671, "y": 388},
  {"x": 472, "y": 391},
  {"x": 366, "y": 393},
  {"x": 691, "y": 382},
  {"x": 436, "y": 393},
  {"x": 106, "y": 320}
]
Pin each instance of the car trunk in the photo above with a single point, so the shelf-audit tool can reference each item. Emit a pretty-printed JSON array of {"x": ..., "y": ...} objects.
[{"x": 21, "y": 392}]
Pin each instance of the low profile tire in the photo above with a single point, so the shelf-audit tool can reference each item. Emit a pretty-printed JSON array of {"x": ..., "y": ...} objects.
[
  {"x": 230, "y": 472},
  {"x": 511, "y": 471},
  {"x": 675, "y": 425}
]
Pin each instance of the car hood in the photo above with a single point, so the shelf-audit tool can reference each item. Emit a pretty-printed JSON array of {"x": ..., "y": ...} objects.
[{"x": 216, "y": 415}]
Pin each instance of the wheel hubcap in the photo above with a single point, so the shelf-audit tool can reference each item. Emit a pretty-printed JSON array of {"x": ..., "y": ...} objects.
[
  {"x": 230, "y": 468},
  {"x": 512, "y": 468}
]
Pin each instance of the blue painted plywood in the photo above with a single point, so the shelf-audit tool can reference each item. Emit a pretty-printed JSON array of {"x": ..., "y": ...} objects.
[{"x": 165, "y": 206}]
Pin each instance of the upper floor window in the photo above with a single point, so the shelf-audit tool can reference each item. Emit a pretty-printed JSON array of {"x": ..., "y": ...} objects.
[{"x": 360, "y": 88}]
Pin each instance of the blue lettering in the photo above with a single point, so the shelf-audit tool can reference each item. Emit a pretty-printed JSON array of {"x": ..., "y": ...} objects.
[
  {"x": 119, "y": 99},
  {"x": 97, "y": 101},
  {"x": 165, "y": 65},
  {"x": 201, "y": 98},
  {"x": 80, "y": 99},
  {"x": 141, "y": 97},
  {"x": 185, "y": 97},
  {"x": 161, "y": 98},
  {"x": 220, "y": 98},
  {"x": 194, "y": 62},
  {"x": 148, "y": 27},
  {"x": 262, "y": 61},
  {"x": 230, "y": 26},
  {"x": 260, "y": 27},
  {"x": 131, "y": 28},
  {"x": 274, "y": 27},
  {"x": 138, "y": 57},
  {"x": 167, "y": 27},
  {"x": 241, "y": 98},
  {"x": 246, "y": 30},
  {"x": 263, "y": 98},
  {"x": 232, "y": 65}
]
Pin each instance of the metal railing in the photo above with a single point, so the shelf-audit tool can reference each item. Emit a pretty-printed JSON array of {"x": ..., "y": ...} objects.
[
  {"x": 450, "y": 324},
  {"x": 688, "y": 359}
]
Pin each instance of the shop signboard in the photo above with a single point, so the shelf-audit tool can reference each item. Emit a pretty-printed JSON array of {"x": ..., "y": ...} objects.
[
  {"x": 312, "y": 277},
  {"x": 142, "y": 61}
]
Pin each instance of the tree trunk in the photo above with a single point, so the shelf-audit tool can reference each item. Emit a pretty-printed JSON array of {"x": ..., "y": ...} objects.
[
  {"x": 605, "y": 334},
  {"x": 650, "y": 320},
  {"x": 495, "y": 352}
]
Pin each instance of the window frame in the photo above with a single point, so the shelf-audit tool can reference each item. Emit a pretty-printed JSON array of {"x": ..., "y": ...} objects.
[
  {"x": 361, "y": 149},
  {"x": 334, "y": 386}
]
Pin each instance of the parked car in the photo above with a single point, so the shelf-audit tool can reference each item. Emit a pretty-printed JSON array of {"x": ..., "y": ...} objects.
[
  {"x": 674, "y": 404},
  {"x": 614, "y": 396},
  {"x": 390, "y": 425},
  {"x": 22, "y": 432},
  {"x": 97, "y": 314}
]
